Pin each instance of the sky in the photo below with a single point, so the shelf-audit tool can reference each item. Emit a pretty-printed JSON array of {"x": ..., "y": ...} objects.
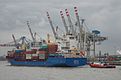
[{"x": 102, "y": 15}]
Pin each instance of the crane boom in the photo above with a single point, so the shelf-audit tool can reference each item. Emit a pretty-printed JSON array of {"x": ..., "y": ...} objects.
[
  {"x": 51, "y": 24},
  {"x": 78, "y": 20},
  {"x": 64, "y": 22},
  {"x": 80, "y": 27},
  {"x": 14, "y": 40},
  {"x": 70, "y": 22},
  {"x": 30, "y": 31}
]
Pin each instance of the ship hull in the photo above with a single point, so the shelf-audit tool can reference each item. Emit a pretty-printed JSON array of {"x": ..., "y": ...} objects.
[{"x": 66, "y": 62}]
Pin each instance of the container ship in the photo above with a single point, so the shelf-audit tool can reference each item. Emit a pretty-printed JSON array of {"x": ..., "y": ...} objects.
[
  {"x": 71, "y": 48},
  {"x": 46, "y": 55}
]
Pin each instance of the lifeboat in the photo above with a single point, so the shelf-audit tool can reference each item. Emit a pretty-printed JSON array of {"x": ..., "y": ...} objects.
[{"x": 101, "y": 65}]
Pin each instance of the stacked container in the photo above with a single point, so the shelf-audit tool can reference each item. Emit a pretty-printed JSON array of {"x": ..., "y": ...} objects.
[
  {"x": 34, "y": 57},
  {"x": 43, "y": 47},
  {"x": 42, "y": 55},
  {"x": 52, "y": 48},
  {"x": 34, "y": 51},
  {"x": 28, "y": 55},
  {"x": 19, "y": 55},
  {"x": 19, "y": 51}
]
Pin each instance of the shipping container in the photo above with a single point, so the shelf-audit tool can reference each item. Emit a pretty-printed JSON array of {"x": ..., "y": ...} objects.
[
  {"x": 42, "y": 52},
  {"x": 43, "y": 49},
  {"x": 44, "y": 46},
  {"x": 19, "y": 57},
  {"x": 19, "y": 51},
  {"x": 52, "y": 48},
  {"x": 34, "y": 50},
  {"x": 28, "y": 52},
  {"x": 23, "y": 57},
  {"x": 42, "y": 56},
  {"x": 55, "y": 55},
  {"x": 28, "y": 56},
  {"x": 35, "y": 56}
]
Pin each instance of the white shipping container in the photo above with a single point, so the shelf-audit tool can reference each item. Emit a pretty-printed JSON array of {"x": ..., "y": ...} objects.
[
  {"x": 34, "y": 54},
  {"x": 41, "y": 56},
  {"x": 28, "y": 56}
]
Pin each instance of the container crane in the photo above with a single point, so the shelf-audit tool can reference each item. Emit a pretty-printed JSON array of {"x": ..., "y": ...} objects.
[
  {"x": 30, "y": 31},
  {"x": 51, "y": 24},
  {"x": 64, "y": 22},
  {"x": 71, "y": 30},
  {"x": 83, "y": 32},
  {"x": 70, "y": 22},
  {"x": 77, "y": 17},
  {"x": 84, "y": 42},
  {"x": 15, "y": 41},
  {"x": 80, "y": 27}
]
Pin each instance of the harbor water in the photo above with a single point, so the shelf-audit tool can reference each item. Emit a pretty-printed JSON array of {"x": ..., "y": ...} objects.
[{"x": 8, "y": 72}]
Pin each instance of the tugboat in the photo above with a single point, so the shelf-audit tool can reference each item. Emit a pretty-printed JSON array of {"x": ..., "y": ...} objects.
[{"x": 101, "y": 65}]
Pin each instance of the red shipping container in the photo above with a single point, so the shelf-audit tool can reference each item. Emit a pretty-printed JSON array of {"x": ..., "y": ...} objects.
[
  {"x": 42, "y": 52},
  {"x": 28, "y": 52},
  {"x": 34, "y": 50},
  {"x": 35, "y": 57}
]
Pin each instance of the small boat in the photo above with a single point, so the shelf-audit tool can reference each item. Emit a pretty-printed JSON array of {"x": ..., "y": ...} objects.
[{"x": 101, "y": 65}]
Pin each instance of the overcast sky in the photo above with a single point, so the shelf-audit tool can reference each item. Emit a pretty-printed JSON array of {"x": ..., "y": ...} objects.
[{"x": 103, "y": 15}]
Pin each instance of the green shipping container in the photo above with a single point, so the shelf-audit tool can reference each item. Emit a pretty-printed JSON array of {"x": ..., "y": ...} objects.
[{"x": 44, "y": 46}]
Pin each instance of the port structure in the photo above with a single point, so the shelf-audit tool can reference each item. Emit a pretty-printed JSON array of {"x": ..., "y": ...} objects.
[
  {"x": 76, "y": 36},
  {"x": 23, "y": 40},
  {"x": 16, "y": 42}
]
